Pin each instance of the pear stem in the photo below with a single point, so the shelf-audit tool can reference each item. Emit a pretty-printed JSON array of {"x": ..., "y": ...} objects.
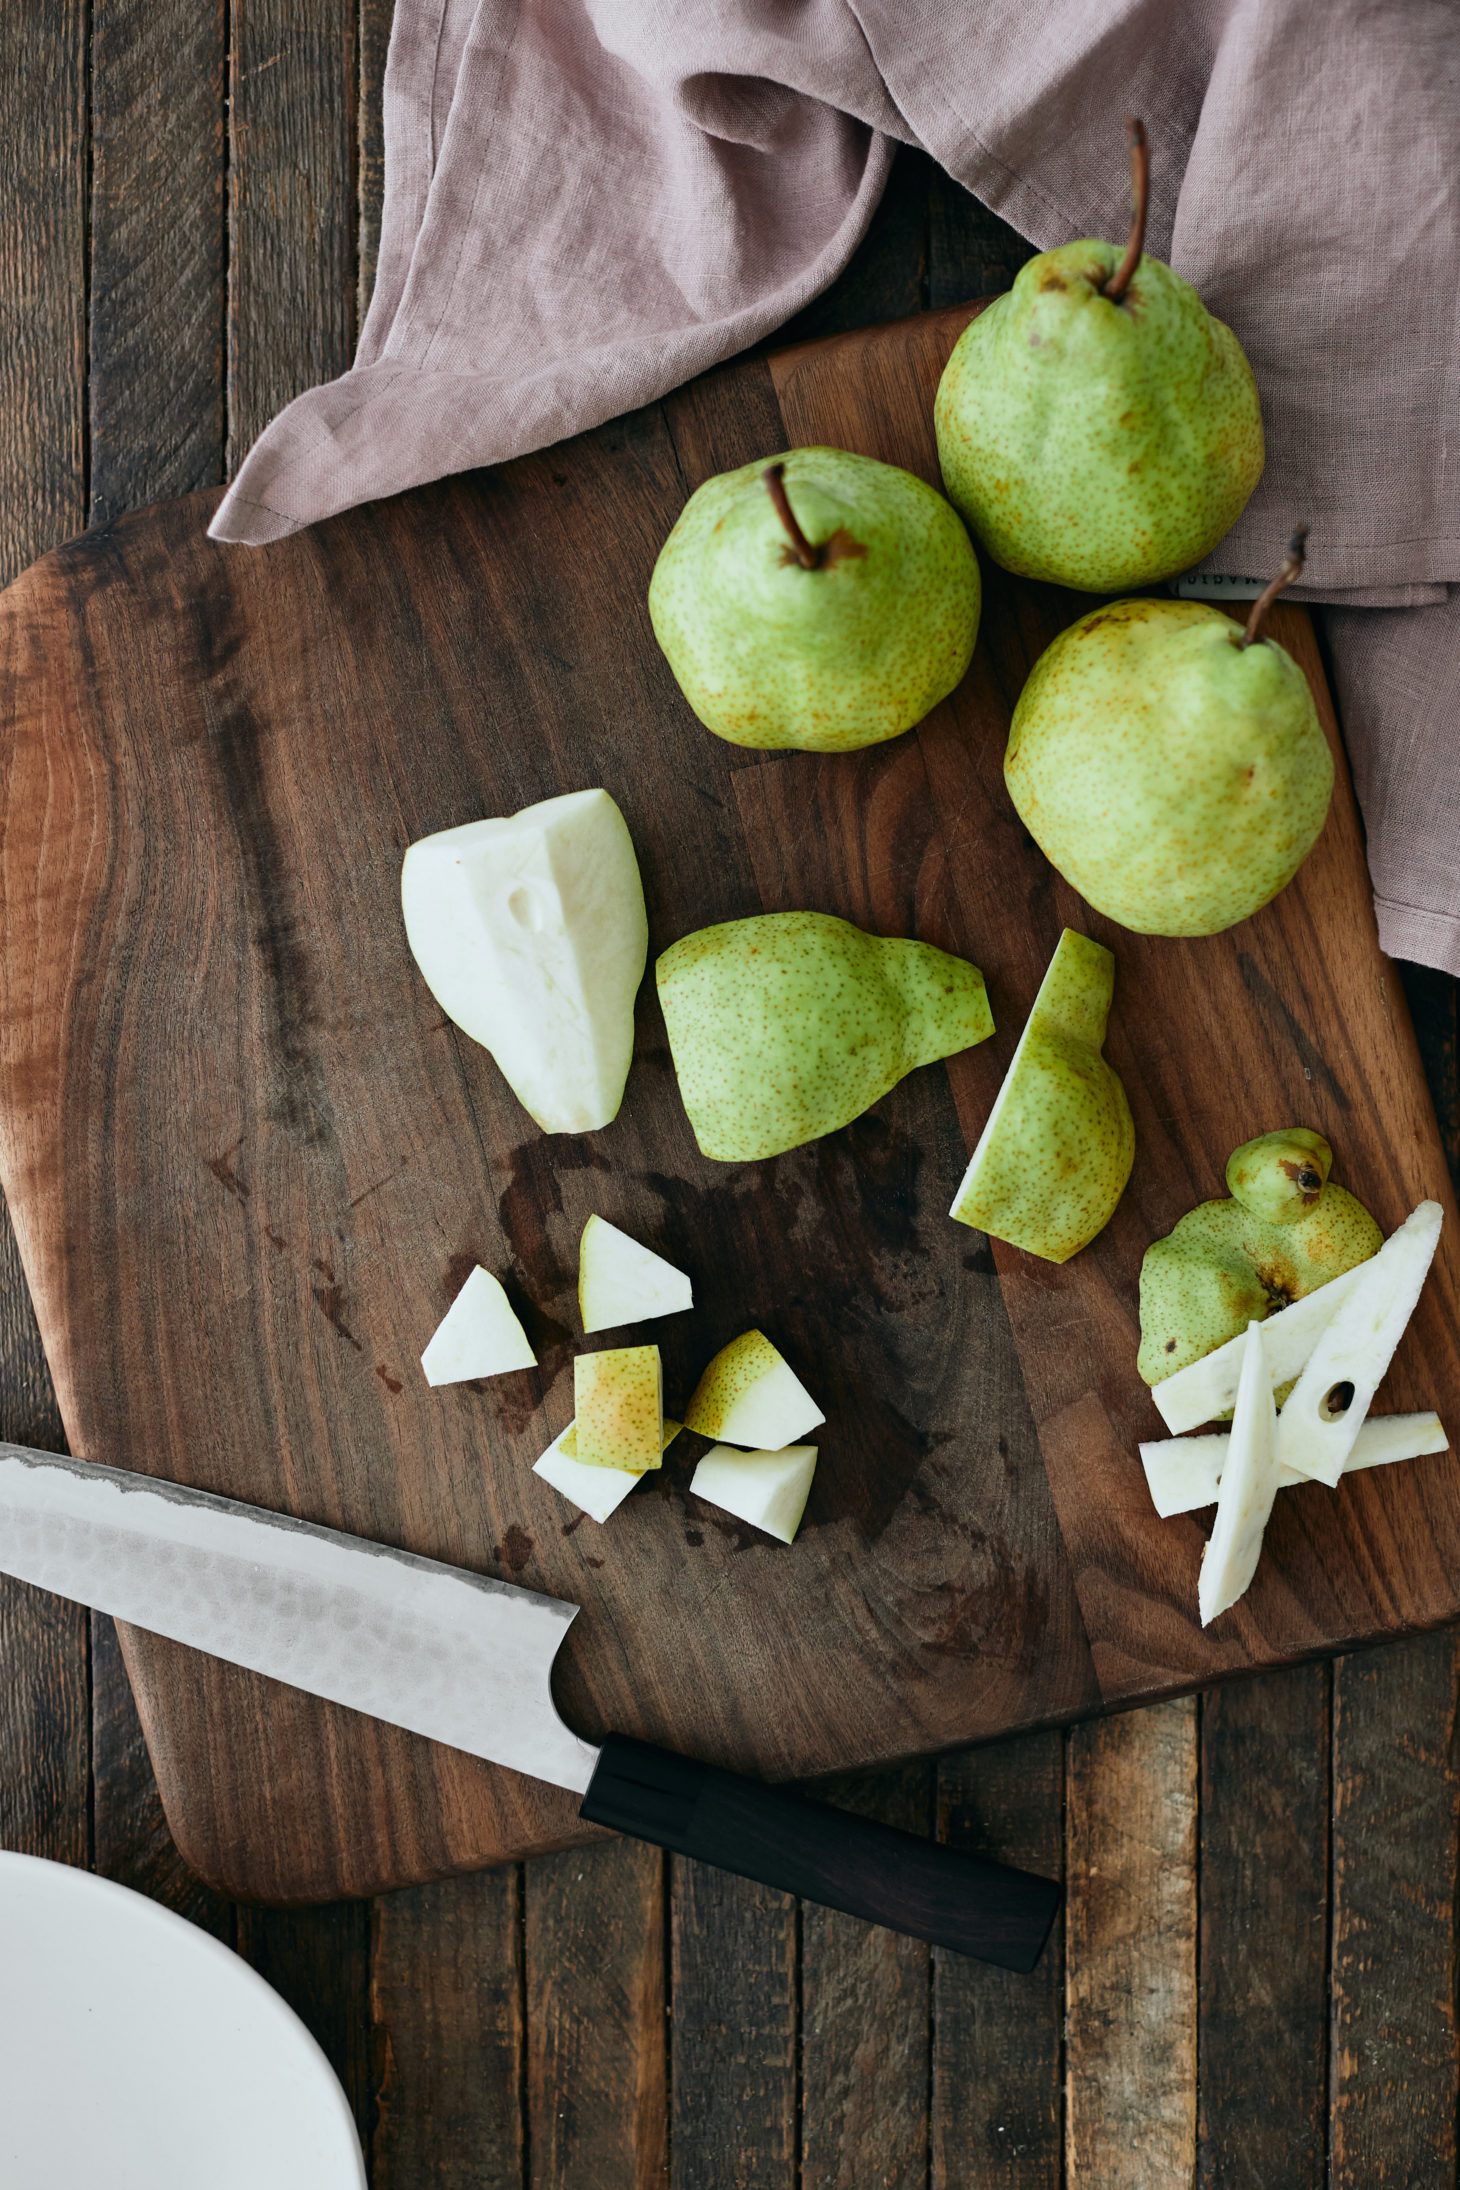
[
  {"x": 1140, "y": 196},
  {"x": 773, "y": 478},
  {"x": 1292, "y": 569}
]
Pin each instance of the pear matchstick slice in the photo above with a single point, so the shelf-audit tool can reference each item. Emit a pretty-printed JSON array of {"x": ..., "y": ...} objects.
[
  {"x": 597, "y": 1491},
  {"x": 1249, "y": 1485},
  {"x": 479, "y": 1335},
  {"x": 767, "y": 1489},
  {"x": 1317, "y": 1431},
  {"x": 1207, "y": 1389},
  {"x": 750, "y": 1395},
  {"x": 619, "y": 1398},
  {"x": 1183, "y": 1474},
  {"x": 621, "y": 1282}
]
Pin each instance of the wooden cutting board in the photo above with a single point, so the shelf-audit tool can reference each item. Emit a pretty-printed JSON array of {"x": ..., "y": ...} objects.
[{"x": 250, "y": 1163}]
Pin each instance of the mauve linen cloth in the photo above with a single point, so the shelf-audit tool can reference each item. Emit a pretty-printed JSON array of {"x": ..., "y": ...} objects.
[{"x": 589, "y": 201}]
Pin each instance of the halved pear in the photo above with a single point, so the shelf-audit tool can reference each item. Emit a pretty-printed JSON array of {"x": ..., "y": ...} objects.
[
  {"x": 621, "y": 1282},
  {"x": 1249, "y": 1485},
  {"x": 1184, "y": 1473},
  {"x": 531, "y": 933},
  {"x": 479, "y": 1335},
  {"x": 1053, "y": 1159},
  {"x": 750, "y": 1395},
  {"x": 1207, "y": 1389},
  {"x": 1316, "y": 1433},
  {"x": 768, "y": 1489},
  {"x": 619, "y": 1400},
  {"x": 598, "y": 1491}
]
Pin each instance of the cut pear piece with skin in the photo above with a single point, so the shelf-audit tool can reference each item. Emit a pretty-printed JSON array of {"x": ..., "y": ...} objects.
[
  {"x": 1355, "y": 1348},
  {"x": 787, "y": 1026},
  {"x": 767, "y": 1489},
  {"x": 531, "y": 933},
  {"x": 1054, "y": 1157},
  {"x": 479, "y": 1335},
  {"x": 1249, "y": 1485},
  {"x": 598, "y": 1492},
  {"x": 621, "y": 1282},
  {"x": 619, "y": 1400},
  {"x": 1207, "y": 1389},
  {"x": 1184, "y": 1474},
  {"x": 750, "y": 1395}
]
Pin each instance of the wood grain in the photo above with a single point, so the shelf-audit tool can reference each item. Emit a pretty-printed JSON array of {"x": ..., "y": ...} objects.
[
  {"x": 1131, "y": 1933},
  {"x": 734, "y": 1961}
]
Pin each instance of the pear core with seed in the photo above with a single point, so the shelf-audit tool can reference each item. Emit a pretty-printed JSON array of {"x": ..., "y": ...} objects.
[
  {"x": 789, "y": 1025},
  {"x": 1227, "y": 1262}
]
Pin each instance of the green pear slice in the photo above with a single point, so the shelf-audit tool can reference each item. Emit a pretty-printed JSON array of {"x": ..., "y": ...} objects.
[
  {"x": 619, "y": 1408},
  {"x": 1184, "y": 1473},
  {"x": 1249, "y": 1485},
  {"x": 1206, "y": 1389},
  {"x": 767, "y": 1489},
  {"x": 1355, "y": 1348},
  {"x": 479, "y": 1335},
  {"x": 598, "y": 1492},
  {"x": 1054, "y": 1157},
  {"x": 620, "y": 1281},
  {"x": 531, "y": 933},
  {"x": 750, "y": 1395}
]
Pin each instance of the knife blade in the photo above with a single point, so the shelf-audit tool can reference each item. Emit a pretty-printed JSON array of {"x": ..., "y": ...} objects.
[{"x": 467, "y": 1660}]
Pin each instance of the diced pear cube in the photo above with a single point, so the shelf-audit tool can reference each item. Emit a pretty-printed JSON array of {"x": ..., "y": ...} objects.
[
  {"x": 479, "y": 1335},
  {"x": 767, "y": 1489}
]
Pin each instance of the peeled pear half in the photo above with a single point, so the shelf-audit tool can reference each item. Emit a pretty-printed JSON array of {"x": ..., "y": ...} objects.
[{"x": 1054, "y": 1157}]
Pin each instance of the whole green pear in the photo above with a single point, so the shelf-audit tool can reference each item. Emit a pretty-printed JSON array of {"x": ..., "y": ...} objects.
[
  {"x": 1176, "y": 777},
  {"x": 1225, "y": 1263},
  {"x": 1096, "y": 426},
  {"x": 819, "y": 600},
  {"x": 789, "y": 1025},
  {"x": 1054, "y": 1157},
  {"x": 1279, "y": 1176}
]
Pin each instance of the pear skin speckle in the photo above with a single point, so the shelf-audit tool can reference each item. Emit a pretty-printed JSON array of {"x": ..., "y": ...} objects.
[
  {"x": 1221, "y": 1265},
  {"x": 831, "y": 659},
  {"x": 789, "y": 1025},
  {"x": 735, "y": 1370},
  {"x": 618, "y": 1398},
  {"x": 1176, "y": 780},
  {"x": 1055, "y": 1155},
  {"x": 1096, "y": 444}
]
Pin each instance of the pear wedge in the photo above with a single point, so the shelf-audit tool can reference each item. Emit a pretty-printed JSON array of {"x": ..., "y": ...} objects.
[
  {"x": 619, "y": 1399},
  {"x": 1184, "y": 1474},
  {"x": 767, "y": 1489},
  {"x": 597, "y": 1491},
  {"x": 1315, "y": 1436},
  {"x": 620, "y": 1281},
  {"x": 1249, "y": 1485},
  {"x": 750, "y": 1395},
  {"x": 479, "y": 1335},
  {"x": 1054, "y": 1157}
]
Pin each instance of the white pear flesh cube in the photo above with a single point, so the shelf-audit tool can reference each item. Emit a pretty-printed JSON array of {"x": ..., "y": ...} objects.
[
  {"x": 1184, "y": 1473},
  {"x": 598, "y": 1492},
  {"x": 479, "y": 1335},
  {"x": 767, "y": 1489},
  {"x": 620, "y": 1281},
  {"x": 618, "y": 1396},
  {"x": 531, "y": 933},
  {"x": 1355, "y": 1349},
  {"x": 1205, "y": 1389},
  {"x": 750, "y": 1395},
  {"x": 1249, "y": 1485}
]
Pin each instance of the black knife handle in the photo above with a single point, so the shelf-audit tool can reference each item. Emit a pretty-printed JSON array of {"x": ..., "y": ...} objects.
[{"x": 846, "y": 1862}]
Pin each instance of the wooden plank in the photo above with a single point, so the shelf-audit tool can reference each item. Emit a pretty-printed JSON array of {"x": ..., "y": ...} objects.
[
  {"x": 597, "y": 2107},
  {"x": 865, "y": 2003},
  {"x": 374, "y": 38},
  {"x": 1396, "y": 1829},
  {"x": 997, "y": 2084},
  {"x": 733, "y": 2070},
  {"x": 319, "y": 1960},
  {"x": 1263, "y": 2098},
  {"x": 448, "y": 2036},
  {"x": 887, "y": 276},
  {"x": 293, "y": 85},
  {"x": 971, "y": 252},
  {"x": 1131, "y": 1930}
]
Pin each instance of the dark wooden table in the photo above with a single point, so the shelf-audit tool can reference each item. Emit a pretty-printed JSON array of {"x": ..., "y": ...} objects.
[{"x": 1256, "y": 1979}]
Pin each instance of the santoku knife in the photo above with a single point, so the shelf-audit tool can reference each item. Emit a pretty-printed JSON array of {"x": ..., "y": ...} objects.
[{"x": 467, "y": 1660}]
